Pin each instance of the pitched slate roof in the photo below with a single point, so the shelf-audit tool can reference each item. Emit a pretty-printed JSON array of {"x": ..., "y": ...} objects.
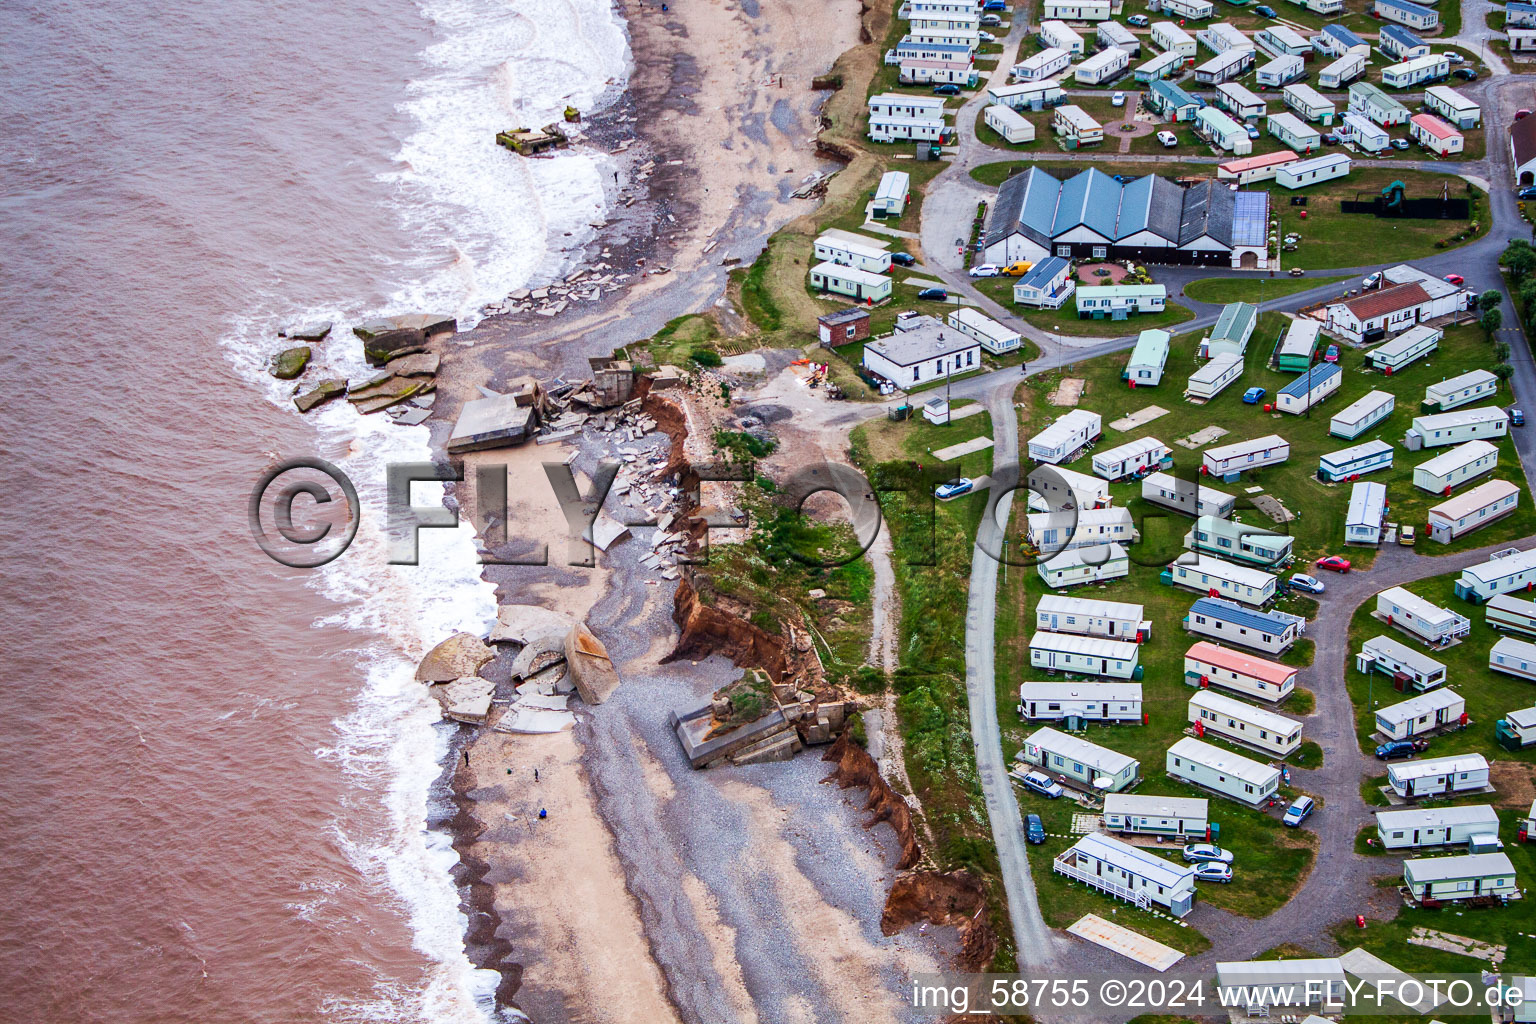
[
  {"x": 1207, "y": 210},
  {"x": 1522, "y": 136}
]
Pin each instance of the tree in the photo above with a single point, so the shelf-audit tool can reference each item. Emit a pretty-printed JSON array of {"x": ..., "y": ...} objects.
[
  {"x": 1490, "y": 321},
  {"x": 1522, "y": 262},
  {"x": 1504, "y": 371},
  {"x": 1489, "y": 299},
  {"x": 1501, "y": 352},
  {"x": 1527, "y": 296}
]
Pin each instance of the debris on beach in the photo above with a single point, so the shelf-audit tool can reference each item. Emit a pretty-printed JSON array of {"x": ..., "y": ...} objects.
[
  {"x": 307, "y": 332},
  {"x": 533, "y": 141},
  {"x": 331, "y": 387},
  {"x": 462, "y": 654},
  {"x": 590, "y": 667},
  {"x": 520, "y": 623}
]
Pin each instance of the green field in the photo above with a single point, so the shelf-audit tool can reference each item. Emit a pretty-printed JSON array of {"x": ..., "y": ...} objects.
[
  {"x": 1250, "y": 289},
  {"x": 1065, "y": 320}
]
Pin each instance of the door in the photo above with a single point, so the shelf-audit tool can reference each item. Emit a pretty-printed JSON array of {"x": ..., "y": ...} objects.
[{"x": 1103, "y": 666}]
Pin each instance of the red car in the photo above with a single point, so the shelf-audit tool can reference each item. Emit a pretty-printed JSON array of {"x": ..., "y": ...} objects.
[
  {"x": 1333, "y": 562},
  {"x": 1456, "y": 279}
]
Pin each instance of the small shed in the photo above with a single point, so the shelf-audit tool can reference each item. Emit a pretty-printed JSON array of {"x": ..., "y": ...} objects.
[
  {"x": 1268, "y": 631},
  {"x": 1435, "y": 826},
  {"x": 1513, "y": 658},
  {"x": 1242, "y": 723},
  {"x": 1221, "y": 772},
  {"x": 1460, "y": 390},
  {"x": 1362, "y": 414},
  {"x": 1177, "y": 817},
  {"x": 1421, "y": 714},
  {"x": 1484, "y": 504},
  {"x": 1078, "y": 760},
  {"x": 1367, "y": 513},
  {"x": 1450, "y": 469},
  {"x": 1207, "y": 664},
  {"x": 1356, "y": 460},
  {"x": 1406, "y": 667}
]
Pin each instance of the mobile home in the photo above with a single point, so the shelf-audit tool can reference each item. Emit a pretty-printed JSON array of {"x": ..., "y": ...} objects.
[
  {"x": 1309, "y": 172},
  {"x": 1162, "y": 66},
  {"x": 1221, "y": 37},
  {"x": 1483, "y": 504},
  {"x": 1226, "y": 774},
  {"x": 1054, "y": 488},
  {"x": 1240, "y": 101},
  {"x": 849, "y": 250},
  {"x": 1309, "y": 104},
  {"x": 1275, "y": 73},
  {"x": 1085, "y": 702},
  {"x": 1342, "y": 71},
  {"x": 1282, "y": 41},
  {"x": 1076, "y": 10},
  {"x": 1187, "y": 496},
  {"x": 1221, "y": 130},
  {"x": 1253, "y": 168},
  {"x": 1448, "y": 879},
  {"x": 1460, "y": 773},
  {"x": 1403, "y": 12},
  {"x": 1336, "y": 40},
  {"x": 1120, "y": 301},
  {"x": 1429, "y": 68},
  {"x": 1009, "y": 123},
  {"x": 1170, "y": 37},
  {"x": 1445, "y": 428},
  {"x": 1240, "y": 456},
  {"x": 1460, "y": 390},
  {"x": 1112, "y": 33},
  {"x": 892, "y": 195},
  {"x": 1516, "y": 731},
  {"x": 1234, "y": 326},
  {"x": 1514, "y": 658},
  {"x": 1051, "y": 532},
  {"x": 901, "y": 128},
  {"x": 1102, "y": 67},
  {"x": 1501, "y": 574},
  {"x": 1321, "y": 6},
  {"x": 1367, "y": 513},
  {"x": 1036, "y": 96},
  {"x": 1519, "y": 15},
  {"x": 1299, "y": 345},
  {"x": 1406, "y": 667},
  {"x": 1413, "y": 344},
  {"x": 1239, "y": 542},
  {"x": 1362, "y": 414},
  {"x": 1172, "y": 102},
  {"x": 1179, "y": 817},
  {"x": 1398, "y": 43},
  {"x": 1075, "y": 127},
  {"x": 1453, "y": 106},
  {"x": 1048, "y": 285},
  {"x": 1047, "y": 64},
  {"x": 1251, "y": 986},
  {"x": 1085, "y": 565},
  {"x": 1369, "y": 101},
  {"x": 1270, "y": 632},
  {"x": 1216, "y": 578},
  {"x": 1355, "y": 460},
  {"x": 1435, "y": 826},
  {"x": 1214, "y": 377},
  {"x": 1364, "y": 133},
  {"x": 850, "y": 281},
  {"x": 1145, "y": 368},
  {"x": 1115, "y": 620},
  {"x": 1309, "y": 389},
  {"x": 1245, "y": 724},
  {"x": 1076, "y": 759},
  {"x": 1128, "y": 873},
  {"x": 1132, "y": 458},
  {"x": 959, "y": 71},
  {"x": 1065, "y": 439},
  {"x": 989, "y": 334},
  {"x": 1507, "y": 614},
  {"x": 1294, "y": 132},
  {"x": 1448, "y": 470},
  {"x": 1207, "y": 664},
  {"x": 1057, "y": 35},
  {"x": 1085, "y": 655},
  {"x": 1424, "y": 619},
  {"x": 1435, "y": 135},
  {"x": 1189, "y": 10},
  {"x": 1224, "y": 67},
  {"x": 1421, "y": 714}
]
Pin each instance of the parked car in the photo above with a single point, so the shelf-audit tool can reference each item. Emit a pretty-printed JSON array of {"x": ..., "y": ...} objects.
[
  {"x": 1043, "y": 784},
  {"x": 1407, "y": 537},
  {"x": 1266, "y": 11},
  {"x": 1465, "y": 74},
  {"x": 1300, "y": 810},
  {"x": 1454, "y": 57},
  {"x": 1396, "y": 749},
  {"x": 985, "y": 36},
  {"x": 1517, "y": 417},
  {"x": 903, "y": 259},
  {"x": 1168, "y": 139},
  {"x": 1333, "y": 563},
  {"x": 1138, "y": 20},
  {"x": 1034, "y": 831},
  {"x": 1399, "y": 143},
  {"x": 985, "y": 270},
  {"x": 1018, "y": 268},
  {"x": 995, "y": 5},
  {"x": 1331, "y": 354},
  {"x": 1297, "y": 272},
  {"x": 1253, "y": 132},
  {"x": 1199, "y": 853},
  {"x": 1213, "y": 871},
  {"x": 1311, "y": 584},
  {"x": 1330, "y": 139},
  {"x": 1371, "y": 281},
  {"x": 947, "y": 89},
  {"x": 1529, "y": 192},
  {"x": 954, "y": 488},
  {"x": 933, "y": 294},
  {"x": 1117, "y": 100},
  {"x": 1455, "y": 279},
  {"x": 992, "y": 20},
  {"x": 1252, "y": 396}
]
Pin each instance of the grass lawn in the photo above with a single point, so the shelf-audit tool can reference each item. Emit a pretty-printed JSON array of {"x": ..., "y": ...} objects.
[
  {"x": 1252, "y": 288},
  {"x": 1065, "y": 320}
]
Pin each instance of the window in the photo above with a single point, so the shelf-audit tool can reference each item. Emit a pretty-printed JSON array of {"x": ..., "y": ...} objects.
[
  {"x": 1063, "y": 250},
  {"x": 1099, "y": 252},
  {"x": 916, "y": 372}
]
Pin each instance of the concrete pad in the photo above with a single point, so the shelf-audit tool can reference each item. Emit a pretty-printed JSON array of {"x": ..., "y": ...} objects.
[
  {"x": 1201, "y": 438},
  {"x": 955, "y": 451},
  {"x": 1129, "y": 944},
  {"x": 1139, "y": 418},
  {"x": 1068, "y": 392},
  {"x": 925, "y": 282},
  {"x": 964, "y": 411}
]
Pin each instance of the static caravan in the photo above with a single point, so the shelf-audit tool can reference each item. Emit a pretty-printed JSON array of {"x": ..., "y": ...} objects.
[
  {"x": 1041, "y": 95},
  {"x": 1502, "y": 574},
  {"x": 1112, "y": 33},
  {"x": 1240, "y": 456},
  {"x": 1148, "y": 358},
  {"x": 1409, "y": 73},
  {"x": 1321, "y": 6},
  {"x": 960, "y": 72},
  {"x": 1224, "y": 67},
  {"x": 1245, "y": 724},
  {"x": 1223, "y": 131},
  {"x": 1249, "y": 545},
  {"x": 1519, "y": 15},
  {"x": 1424, "y": 619},
  {"x": 1362, "y": 414},
  {"x": 1279, "y": 71},
  {"x": 1460, "y": 390},
  {"x": 1398, "y": 43},
  {"x": 1355, "y": 460},
  {"x": 1078, "y": 760},
  {"x": 1207, "y": 664},
  {"x": 1048, "y": 285},
  {"x": 1173, "y": 39},
  {"x": 1270, "y": 632},
  {"x": 1413, "y": 15},
  {"x": 1363, "y": 133},
  {"x": 1309, "y": 104},
  {"x": 1445, "y": 428},
  {"x": 1282, "y": 41},
  {"x": 1216, "y": 578},
  {"x": 1299, "y": 345},
  {"x": 1221, "y": 37},
  {"x": 1128, "y": 873},
  {"x": 1065, "y": 439},
  {"x": 1435, "y": 826},
  {"x": 1008, "y": 123},
  {"x": 1086, "y": 702},
  {"x": 1369, "y": 101},
  {"x": 850, "y": 281},
  {"x": 1104, "y": 66},
  {"x": 1225, "y": 774},
  {"x": 1179, "y": 817},
  {"x": 1076, "y": 10},
  {"x": 1162, "y": 66},
  {"x": 1116, "y": 620},
  {"x": 1309, "y": 389},
  {"x": 1414, "y": 343},
  {"x": 1046, "y": 64},
  {"x": 900, "y": 128},
  {"x": 1418, "y": 715},
  {"x": 1507, "y": 614},
  {"x": 1483, "y": 504},
  {"x": 1448, "y": 470},
  {"x": 1252, "y": 986},
  {"x": 1132, "y": 459},
  {"x": 892, "y": 195},
  {"x": 990, "y": 334},
  {"x": 1075, "y": 127},
  {"x": 1172, "y": 102},
  {"x": 1453, "y": 106},
  {"x": 1189, "y": 10},
  {"x": 1085, "y": 565},
  {"x": 1435, "y": 135},
  {"x": 1406, "y": 667},
  {"x": 930, "y": 108},
  {"x": 1085, "y": 655},
  {"x": 1119, "y": 301},
  {"x": 1448, "y": 879},
  {"x": 1214, "y": 377},
  {"x": 1367, "y": 513},
  {"x": 1514, "y": 658},
  {"x": 1057, "y": 35},
  {"x": 1309, "y": 172},
  {"x": 1294, "y": 132},
  {"x": 1234, "y": 326},
  {"x": 1186, "y": 496},
  {"x": 1240, "y": 101},
  {"x": 849, "y": 250},
  {"x": 1052, "y": 532},
  {"x": 1460, "y": 773},
  {"x": 1253, "y": 168},
  {"x": 1342, "y": 71},
  {"x": 1054, "y": 488}
]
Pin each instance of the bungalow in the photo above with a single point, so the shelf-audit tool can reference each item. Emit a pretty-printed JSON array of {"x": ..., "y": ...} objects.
[
  {"x": 1040, "y": 95},
  {"x": 847, "y": 249},
  {"x": 1445, "y": 428},
  {"x": 1076, "y": 759},
  {"x": 1459, "y": 773},
  {"x": 1119, "y": 301},
  {"x": 1377, "y": 313},
  {"x": 1298, "y": 346},
  {"x": 1008, "y": 123},
  {"x": 1112, "y": 33},
  {"x": 1065, "y": 439},
  {"x": 1247, "y": 545},
  {"x": 1421, "y": 714},
  {"x": 1145, "y": 368},
  {"x": 1415, "y": 16},
  {"x": 1402, "y": 664},
  {"x": 1448, "y": 470},
  {"x": 1040, "y": 67},
  {"x": 1435, "y": 826},
  {"x": 1473, "y": 510},
  {"x": 1085, "y": 565},
  {"x": 1509, "y": 614},
  {"x": 1085, "y": 655},
  {"x": 1052, "y": 532},
  {"x": 1270, "y": 632},
  {"x": 1221, "y": 37},
  {"x": 1234, "y": 326},
  {"x": 850, "y": 281},
  {"x": 1282, "y": 41},
  {"x": 1295, "y": 132},
  {"x": 1132, "y": 458},
  {"x": 1240, "y": 456},
  {"x": 1309, "y": 104},
  {"x": 1186, "y": 496},
  {"x": 1343, "y": 70},
  {"x": 1214, "y": 377},
  {"x": 842, "y": 327},
  {"x": 1189, "y": 10},
  {"x": 893, "y": 193},
  {"x": 1178, "y": 817},
  {"x": 1321, "y": 6},
  {"x": 1128, "y": 873},
  {"x": 1429, "y": 68},
  {"x": 1460, "y": 390},
  {"x": 1367, "y": 512},
  {"x": 1047, "y": 285},
  {"x": 1309, "y": 172},
  {"x": 1225, "y": 774},
  {"x": 1172, "y": 102},
  {"x": 1162, "y": 66},
  {"x": 991, "y": 335},
  {"x": 1104, "y": 66},
  {"x": 1244, "y": 724},
  {"x": 1116, "y": 620},
  {"x": 1221, "y": 131},
  {"x": 1413, "y": 344},
  {"x": 1367, "y": 99},
  {"x": 1513, "y": 658},
  {"x": 1056, "y": 35},
  {"x": 1309, "y": 389},
  {"x": 1447, "y": 879},
  {"x": 1170, "y": 37},
  {"x": 1076, "y": 10},
  {"x": 1279, "y": 71},
  {"x": 1336, "y": 41},
  {"x": 1086, "y": 702},
  {"x": 1398, "y": 43},
  {"x": 1224, "y": 67},
  {"x": 1362, "y": 414},
  {"x": 1253, "y": 168},
  {"x": 1435, "y": 135},
  {"x": 1207, "y": 664},
  {"x": 1364, "y": 134},
  {"x": 1075, "y": 127},
  {"x": 1356, "y": 460},
  {"x": 924, "y": 351},
  {"x": 1216, "y": 578},
  {"x": 1500, "y": 575},
  {"x": 1240, "y": 101},
  {"x": 1056, "y": 488},
  {"x": 1424, "y": 619},
  {"x": 938, "y": 72}
]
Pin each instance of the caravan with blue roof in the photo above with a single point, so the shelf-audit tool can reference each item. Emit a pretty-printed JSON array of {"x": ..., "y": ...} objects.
[
  {"x": 1268, "y": 631},
  {"x": 1403, "y": 12},
  {"x": 1047, "y": 285},
  {"x": 1400, "y": 44},
  {"x": 1309, "y": 389},
  {"x": 1354, "y": 461}
]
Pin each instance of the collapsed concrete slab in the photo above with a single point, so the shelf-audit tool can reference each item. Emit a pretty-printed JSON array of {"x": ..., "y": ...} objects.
[
  {"x": 457, "y": 657},
  {"x": 590, "y": 667},
  {"x": 769, "y": 738},
  {"x": 520, "y": 623},
  {"x": 540, "y": 653}
]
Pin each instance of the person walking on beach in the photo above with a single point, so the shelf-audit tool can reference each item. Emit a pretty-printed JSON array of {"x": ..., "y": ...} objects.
[
  {"x": 535, "y": 775},
  {"x": 466, "y": 757}
]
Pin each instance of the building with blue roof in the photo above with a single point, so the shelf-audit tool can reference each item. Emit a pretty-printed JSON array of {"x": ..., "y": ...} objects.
[
  {"x": 1268, "y": 631},
  {"x": 1307, "y": 390},
  {"x": 1396, "y": 41},
  {"x": 1404, "y": 12},
  {"x": 1336, "y": 41},
  {"x": 1048, "y": 284},
  {"x": 1518, "y": 15},
  {"x": 1172, "y": 101}
]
